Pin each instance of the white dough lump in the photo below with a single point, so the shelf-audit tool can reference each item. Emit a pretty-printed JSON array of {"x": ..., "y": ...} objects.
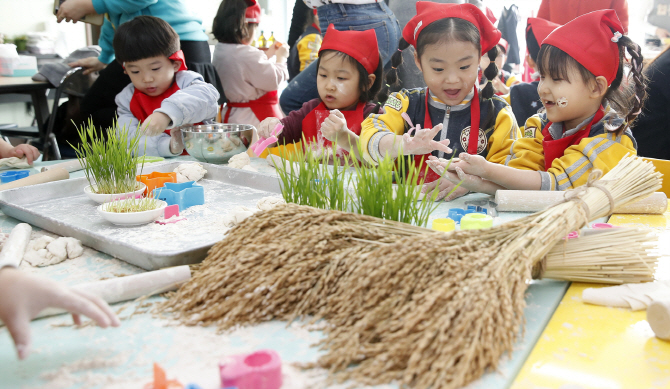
[
  {"x": 267, "y": 203},
  {"x": 46, "y": 251},
  {"x": 237, "y": 216},
  {"x": 189, "y": 172},
  {"x": 239, "y": 161}
]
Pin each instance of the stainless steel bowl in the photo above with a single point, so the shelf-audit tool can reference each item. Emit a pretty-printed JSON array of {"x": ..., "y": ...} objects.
[{"x": 215, "y": 143}]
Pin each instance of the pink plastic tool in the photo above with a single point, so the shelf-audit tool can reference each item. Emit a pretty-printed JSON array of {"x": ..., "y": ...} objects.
[
  {"x": 259, "y": 370},
  {"x": 171, "y": 215},
  {"x": 263, "y": 143},
  {"x": 572, "y": 235},
  {"x": 602, "y": 225}
]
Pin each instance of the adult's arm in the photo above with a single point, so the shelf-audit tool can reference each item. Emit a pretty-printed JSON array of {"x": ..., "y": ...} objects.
[{"x": 121, "y": 6}]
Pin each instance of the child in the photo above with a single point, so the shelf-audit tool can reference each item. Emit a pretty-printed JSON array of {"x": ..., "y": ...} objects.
[
  {"x": 163, "y": 94},
  {"x": 250, "y": 78},
  {"x": 449, "y": 40},
  {"x": 306, "y": 48},
  {"x": 505, "y": 79},
  {"x": 349, "y": 75},
  {"x": 581, "y": 69},
  {"x": 523, "y": 97}
]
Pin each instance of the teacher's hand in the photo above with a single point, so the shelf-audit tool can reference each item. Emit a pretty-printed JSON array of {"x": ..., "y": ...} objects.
[
  {"x": 90, "y": 64},
  {"x": 74, "y": 10}
]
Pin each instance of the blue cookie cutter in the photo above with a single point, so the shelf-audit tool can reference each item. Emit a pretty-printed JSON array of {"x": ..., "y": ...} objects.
[
  {"x": 185, "y": 195},
  {"x": 13, "y": 175},
  {"x": 457, "y": 213}
]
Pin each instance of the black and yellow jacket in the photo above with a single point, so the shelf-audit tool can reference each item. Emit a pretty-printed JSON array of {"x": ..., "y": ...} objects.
[
  {"x": 602, "y": 149},
  {"x": 494, "y": 143},
  {"x": 524, "y": 100}
]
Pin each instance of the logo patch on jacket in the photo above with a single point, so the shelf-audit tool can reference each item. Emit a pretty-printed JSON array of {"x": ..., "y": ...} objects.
[
  {"x": 529, "y": 132},
  {"x": 394, "y": 103},
  {"x": 481, "y": 144}
]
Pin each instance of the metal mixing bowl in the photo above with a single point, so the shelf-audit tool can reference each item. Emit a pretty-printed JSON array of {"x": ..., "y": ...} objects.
[{"x": 215, "y": 143}]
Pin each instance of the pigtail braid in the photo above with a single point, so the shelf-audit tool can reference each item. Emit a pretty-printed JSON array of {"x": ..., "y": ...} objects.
[
  {"x": 392, "y": 75},
  {"x": 638, "y": 78},
  {"x": 490, "y": 73}
]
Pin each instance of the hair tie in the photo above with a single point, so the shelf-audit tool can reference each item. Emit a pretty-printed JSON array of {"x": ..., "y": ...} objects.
[
  {"x": 399, "y": 49},
  {"x": 394, "y": 68},
  {"x": 616, "y": 37}
]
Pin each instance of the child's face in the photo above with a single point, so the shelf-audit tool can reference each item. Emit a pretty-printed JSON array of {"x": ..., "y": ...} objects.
[
  {"x": 450, "y": 69},
  {"x": 152, "y": 76},
  {"x": 337, "y": 81},
  {"x": 571, "y": 101}
]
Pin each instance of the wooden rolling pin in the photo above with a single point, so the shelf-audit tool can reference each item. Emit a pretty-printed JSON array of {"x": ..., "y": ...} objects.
[
  {"x": 537, "y": 200},
  {"x": 131, "y": 287},
  {"x": 658, "y": 316},
  {"x": 54, "y": 174},
  {"x": 15, "y": 245},
  {"x": 71, "y": 166}
]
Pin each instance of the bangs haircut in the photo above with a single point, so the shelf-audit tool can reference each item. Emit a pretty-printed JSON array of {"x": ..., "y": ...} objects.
[
  {"x": 445, "y": 30},
  {"x": 144, "y": 37},
  {"x": 367, "y": 93},
  {"x": 556, "y": 64}
]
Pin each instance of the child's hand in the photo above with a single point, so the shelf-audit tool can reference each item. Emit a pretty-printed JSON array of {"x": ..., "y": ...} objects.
[
  {"x": 23, "y": 150},
  {"x": 176, "y": 142},
  {"x": 282, "y": 53},
  {"x": 471, "y": 164},
  {"x": 23, "y": 296},
  {"x": 155, "y": 124},
  {"x": 444, "y": 190},
  {"x": 422, "y": 142},
  {"x": 266, "y": 127},
  {"x": 334, "y": 125},
  {"x": 500, "y": 86}
]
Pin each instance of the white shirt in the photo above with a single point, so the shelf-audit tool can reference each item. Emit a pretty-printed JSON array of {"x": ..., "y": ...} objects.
[{"x": 246, "y": 74}]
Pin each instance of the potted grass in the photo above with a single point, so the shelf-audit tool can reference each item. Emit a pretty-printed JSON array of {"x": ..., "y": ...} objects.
[
  {"x": 110, "y": 165},
  {"x": 132, "y": 211}
]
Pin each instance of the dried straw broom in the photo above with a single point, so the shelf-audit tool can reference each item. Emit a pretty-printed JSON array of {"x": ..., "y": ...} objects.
[{"x": 429, "y": 310}]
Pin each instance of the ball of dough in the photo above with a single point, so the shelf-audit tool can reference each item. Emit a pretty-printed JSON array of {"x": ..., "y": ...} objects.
[
  {"x": 267, "y": 203},
  {"x": 237, "y": 216},
  {"x": 190, "y": 172},
  {"x": 239, "y": 161}
]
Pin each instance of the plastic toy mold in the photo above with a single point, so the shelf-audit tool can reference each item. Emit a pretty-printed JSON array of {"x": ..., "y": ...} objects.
[
  {"x": 185, "y": 195},
  {"x": 13, "y": 175},
  {"x": 259, "y": 370},
  {"x": 156, "y": 180}
]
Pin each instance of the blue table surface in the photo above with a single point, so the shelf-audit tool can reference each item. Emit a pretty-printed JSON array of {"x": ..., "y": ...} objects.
[{"x": 90, "y": 357}]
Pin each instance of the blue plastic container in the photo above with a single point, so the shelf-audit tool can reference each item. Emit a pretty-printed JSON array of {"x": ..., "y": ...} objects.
[{"x": 456, "y": 214}]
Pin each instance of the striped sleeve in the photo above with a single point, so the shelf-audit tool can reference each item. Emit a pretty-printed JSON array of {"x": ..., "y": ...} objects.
[
  {"x": 377, "y": 126},
  {"x": 602, "y": 152},
  {"x": 505, "y": 132},
  {"x": 526, "y": 153}
]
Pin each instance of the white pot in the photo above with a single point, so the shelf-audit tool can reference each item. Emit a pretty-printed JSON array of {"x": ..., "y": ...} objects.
[
  {"x": 133, "y": 218},
  {"x": 106, "y": 198}
]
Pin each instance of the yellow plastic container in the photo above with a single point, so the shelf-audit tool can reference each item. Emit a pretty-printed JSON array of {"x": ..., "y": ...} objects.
[
  {"x": 444, "y": 225},
  {"x": 476, "y": 221}
]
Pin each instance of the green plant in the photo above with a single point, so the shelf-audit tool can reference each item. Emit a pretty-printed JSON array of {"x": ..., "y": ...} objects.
[
  {"x": 389, "y": 190},
  {"x": 110, "y": 164},
  {"x": 132, "y": 204},
  {"x": 306, "y": 179}
]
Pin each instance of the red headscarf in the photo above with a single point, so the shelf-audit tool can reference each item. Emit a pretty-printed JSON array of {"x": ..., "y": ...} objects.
[
  {"x": 253, "y": 14},
  {"x": 591, "y": 39},
  {"x": 360, "y": 45}
]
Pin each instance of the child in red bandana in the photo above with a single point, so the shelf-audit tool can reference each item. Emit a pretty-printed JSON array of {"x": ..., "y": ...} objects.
[
  {"x": 163, "y": 93},
  {"x": 581, "y": 73},
  {"x": 349, "y": 75}
]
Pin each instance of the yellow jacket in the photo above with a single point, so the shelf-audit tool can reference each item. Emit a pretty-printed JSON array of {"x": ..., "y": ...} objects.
[
  {"x": 494, "y": 142},
  {"x": 602, "y": 150}
]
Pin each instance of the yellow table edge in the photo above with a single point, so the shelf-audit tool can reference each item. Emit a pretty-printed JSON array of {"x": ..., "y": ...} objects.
[{"x": 588, "y": 346}]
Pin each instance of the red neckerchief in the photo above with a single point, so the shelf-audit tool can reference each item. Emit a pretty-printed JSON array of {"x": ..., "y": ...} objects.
[
  {"x": 143, "y": 105},
  {"x": 555, "y": 148},
  {"x": 179, "y": 57},
  {"x": 311, "y": 124},
  {"x": 317, "y": 27},
  {"x": 473, "y": 141}
]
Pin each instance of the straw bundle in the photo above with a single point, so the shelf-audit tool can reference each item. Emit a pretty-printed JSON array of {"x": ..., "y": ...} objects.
[{"x": 429, "y": 310}]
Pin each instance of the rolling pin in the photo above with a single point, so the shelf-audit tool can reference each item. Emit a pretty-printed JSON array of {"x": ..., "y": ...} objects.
[
  {"x": 71, "y": 166},
  {"x": 54, "y": 174},
  {"x": 537, "y": 200},
  {"x": 15, "y": 245},
  {"x": 658, "y": 316},
  {"x": 131, "y": 287}
]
